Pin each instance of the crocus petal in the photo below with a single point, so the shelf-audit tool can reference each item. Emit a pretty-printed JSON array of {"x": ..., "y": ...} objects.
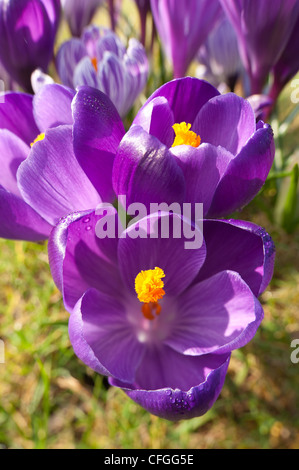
[
  {"x": 157, "y": 119},
  {"x": 97, "y": 132},
  {"x": 175, "y": 404},
  {"x": 85, "y": 74},
  {"x": 238, "y": 246},
  {"x": 16, "y": 115},
  {"x": 68, "y": 56},
  {"x": 157, "y": 249},
  {"x": 13, "y": 151},
  {"x": 18, "y": 221},
  {"x": 145, "y": 171},
  {"x": 80, "y": 260},
  {"x": 52, "y": 185},
  {"x": 203, "y": 167},
  {"x": 99, "y": 324},
  {"x": 186, "y": 96},
  {"x": 245, "y": 174},
  {"x": 218, "y": 314},
  {"x": 227, "y": 120},
  {"x": 52, "y": 106}
]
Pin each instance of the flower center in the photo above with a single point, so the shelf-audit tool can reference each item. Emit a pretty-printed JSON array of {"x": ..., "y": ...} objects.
[
  {"x": 183, "y": 135},
  {"x": 94, "y": 63},
  {"x": 38, "y": 139},
  {"x": 149, "y": 289}
]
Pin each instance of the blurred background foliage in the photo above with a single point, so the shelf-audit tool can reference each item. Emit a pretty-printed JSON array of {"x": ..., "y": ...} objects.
[{"x": 50, "y": 399}]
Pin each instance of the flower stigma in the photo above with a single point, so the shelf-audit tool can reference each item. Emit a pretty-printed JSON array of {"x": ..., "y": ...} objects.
[
  {"x": 183, "y": 135},
  {"x": 38, "y": 139},
  {"x": 94, "y": 63},
  {"x": 149, "y": 289}
]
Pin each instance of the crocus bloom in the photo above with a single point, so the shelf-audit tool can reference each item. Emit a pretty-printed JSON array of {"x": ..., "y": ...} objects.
[
  {"x": 23, "y": 121},
  {"x": 183, "y": 27},
  {"x": 38, "y": 185},
  {"x": 190, "y": 144},
  {"x": 162, "y": 327},
  {"x": 220, "y": 57},
  {"x": 263, "y": 30},
  {"x": 79, "y": 13},
  {"x": 27, "y": 34},
  {"x": 288, "y": 64},
  {"x": 100, "y": 60}
]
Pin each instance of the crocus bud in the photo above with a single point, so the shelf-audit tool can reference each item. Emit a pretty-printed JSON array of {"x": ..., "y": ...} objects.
[
  {"x": 79, "y": 13},
  {"x": 27, "y": 33}
]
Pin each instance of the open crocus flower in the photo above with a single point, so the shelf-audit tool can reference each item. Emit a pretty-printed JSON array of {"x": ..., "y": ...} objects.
[
  {"x": 100, "y": 60},
  {"x": 263, "y": 30},
  {"x": 23, "y": 120},
  {"x": 190, "y": 144},
  {"x": 42, "y": 179},
  {"x": 183, "y": 27},
  {"x": 162, "y": 327},
  {"x": 27, "y": 33}
]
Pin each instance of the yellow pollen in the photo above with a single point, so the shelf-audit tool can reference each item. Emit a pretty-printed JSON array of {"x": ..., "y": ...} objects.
[
  {"x": 149, "y": 289},
  {"x": 38, "y": 139},
  {"x": 94, "y": 63},
  {"x": 183, "y": 135}
]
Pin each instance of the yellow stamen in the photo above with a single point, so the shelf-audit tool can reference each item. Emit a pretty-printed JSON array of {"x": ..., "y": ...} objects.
[
  {"x": 94, "y": 63},
  {"x": 183, "y": 135},
  {"x": 149, "y": 289},
  {"x": 38, "y": 139}
]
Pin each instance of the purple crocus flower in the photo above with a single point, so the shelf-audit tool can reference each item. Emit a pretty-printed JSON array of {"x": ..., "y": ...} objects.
[
  {"x": 263, "y": 30},
  {"x": 38, "y": 187},
  {"x": 27, "y": 34},
  {"x": 100, "y": 60},
  {"x": 79, "y": 13},
  {"x": 162, "y": 327},
  {"x": 183, "y": 27},
  {"x": 220, "y": 57},
  {"x": 190, "y": 144},
  {"x": 144, "y": 7}
]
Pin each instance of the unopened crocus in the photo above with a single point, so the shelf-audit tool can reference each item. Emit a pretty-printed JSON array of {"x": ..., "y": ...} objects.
[
  {"x": 27, "y": 33},
  {"x": 161, "y": 327},
  {"x": 183, "y": 27},
  {"x": 100, "y": 60},
  {"x": 190, "y": 144},
  {"x": 79, "y": 13},
  {"x": 144, "y": 7},
  {"x": 263, "y": 29},
  {"x": 219, "y": 56},
  {"x": 43, "y": 179}
]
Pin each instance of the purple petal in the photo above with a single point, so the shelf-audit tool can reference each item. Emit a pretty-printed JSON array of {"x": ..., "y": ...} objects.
[
  {"x": 157, "y": 248},
  {"x": 157, "y": 119},
  {"x": 203, "y": 167},
  {"x": 52, "y": 106},
  {"x": 52, "y": 185},
  {"x": 18, "y": 221},
  {"x": 173, "y": 403},
  {"x": 227, "y": 120},
  {"x": 238, "y": 246},
  {"x": 218, "y": 314},
  {"x": 98, "y": 130},
  {"x": 145, "y": 171},
  {"x": 85, "y": 74},
  {"x": 68, "y": 56},
  {"x": 186, "y": 96},
  {"x": 80, "y": 260},
  {"x": 16, "y": 115},
  {"x": 13, "y": 151},
  {"x": 246, "y": 174},
  {"x": 99, "y": 325}
]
